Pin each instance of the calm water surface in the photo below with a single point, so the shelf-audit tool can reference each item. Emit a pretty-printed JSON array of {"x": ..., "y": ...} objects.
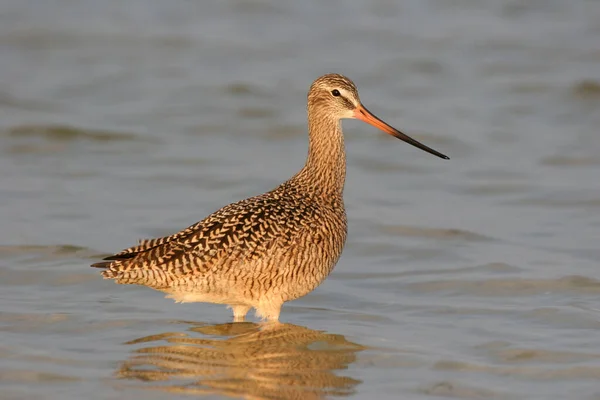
[{"x": 474, "y": 278}]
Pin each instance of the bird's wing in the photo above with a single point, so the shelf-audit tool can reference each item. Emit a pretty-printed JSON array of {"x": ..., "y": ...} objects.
[{"x": 240, "y": 231}]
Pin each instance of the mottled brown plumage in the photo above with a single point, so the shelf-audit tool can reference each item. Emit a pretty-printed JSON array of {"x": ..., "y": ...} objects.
[{"x": 265, "y": 250}]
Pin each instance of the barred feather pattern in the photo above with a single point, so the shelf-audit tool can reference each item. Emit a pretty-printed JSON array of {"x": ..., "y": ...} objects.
[
  {"x": 265, "y": 250},
  {"x": 270, "y": 249}
]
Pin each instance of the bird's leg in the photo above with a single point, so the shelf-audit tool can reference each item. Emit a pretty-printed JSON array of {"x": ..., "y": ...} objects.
[
  {"x": 268, "y": 312},
  {"x": 239, "y": 312}
]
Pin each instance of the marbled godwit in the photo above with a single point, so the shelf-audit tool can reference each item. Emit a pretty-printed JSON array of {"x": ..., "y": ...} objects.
[{"x": 265, "y": 250}]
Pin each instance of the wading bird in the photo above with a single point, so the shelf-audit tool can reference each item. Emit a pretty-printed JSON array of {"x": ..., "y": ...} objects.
[{"x": 265, "y": 250}]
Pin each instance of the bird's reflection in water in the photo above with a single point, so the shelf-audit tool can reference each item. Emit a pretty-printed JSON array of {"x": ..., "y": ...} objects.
[{"x": 246, "y": 360}]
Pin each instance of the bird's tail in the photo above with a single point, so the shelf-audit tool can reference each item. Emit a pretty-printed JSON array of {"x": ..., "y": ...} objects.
[{"x": 102, "y": 264}]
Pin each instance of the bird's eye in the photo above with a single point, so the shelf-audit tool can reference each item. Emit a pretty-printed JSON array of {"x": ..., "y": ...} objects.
[{"x": 335, "y": 92}]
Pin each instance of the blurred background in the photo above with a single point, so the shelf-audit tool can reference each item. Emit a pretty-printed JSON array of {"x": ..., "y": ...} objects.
[{"x": 474, "y": 278}]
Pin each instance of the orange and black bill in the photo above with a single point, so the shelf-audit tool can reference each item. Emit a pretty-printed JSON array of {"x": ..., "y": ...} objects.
[{"x": 365, "y": 115}]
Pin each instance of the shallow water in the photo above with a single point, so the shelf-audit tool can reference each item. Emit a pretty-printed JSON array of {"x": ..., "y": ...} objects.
[{"x": 474, "y": 278}]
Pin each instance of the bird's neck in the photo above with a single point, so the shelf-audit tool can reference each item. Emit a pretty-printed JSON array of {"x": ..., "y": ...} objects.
[{"x": 325, "y": 168}]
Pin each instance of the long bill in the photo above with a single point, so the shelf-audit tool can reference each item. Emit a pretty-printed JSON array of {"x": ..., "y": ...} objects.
[{"x": 365, "y": 115}]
